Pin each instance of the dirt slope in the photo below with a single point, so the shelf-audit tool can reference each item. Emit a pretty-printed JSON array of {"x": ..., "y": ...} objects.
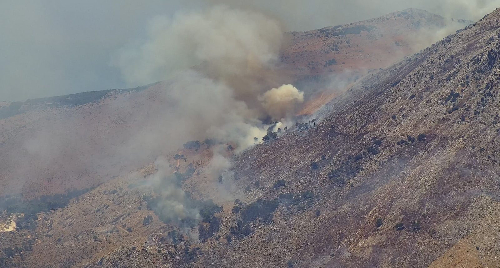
[{"x": 401, "y": 172}]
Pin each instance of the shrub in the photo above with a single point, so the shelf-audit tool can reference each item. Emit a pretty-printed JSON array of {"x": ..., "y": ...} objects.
[
  {"x": 314, "y": 166},
  {"x": 147, "y": 220},
  {"x": 279, "y": 184},
  {"x": 260, "y": 209},
  {"x": 192, "y": 145},
  {"x": 421, "y": 137}
]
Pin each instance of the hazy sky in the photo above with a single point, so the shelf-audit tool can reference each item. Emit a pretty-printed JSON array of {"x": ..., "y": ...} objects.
[{"x": 56, "y": 47}]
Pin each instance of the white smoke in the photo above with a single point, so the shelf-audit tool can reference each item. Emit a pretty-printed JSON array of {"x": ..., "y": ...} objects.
[
  {"x": 282, "y": 102},
  {"x": 173, "y": 203},
  {"x": 47, "y": 54},
  {"x": 218, "y": 64},
  {"x": 230, "y": 41}
]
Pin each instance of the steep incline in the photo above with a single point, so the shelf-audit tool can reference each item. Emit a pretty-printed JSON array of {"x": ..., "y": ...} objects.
[
  {"x": 371, "y": 44},
  {"x": 340, "y": 55},
  {"x": 105, "y": 124},
  {"x": 401, "y": 169},
  {"x": 401, "y": 172}
]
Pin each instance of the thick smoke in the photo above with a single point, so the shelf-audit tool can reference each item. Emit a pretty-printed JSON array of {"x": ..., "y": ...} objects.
[
  {"x": 218, "y": 65},
  {"x": 56, "y": 49},
  {"x": 282, "y": 102},
  {"x": 226, "y": 43},
  {"x": 219, "y": 69}
]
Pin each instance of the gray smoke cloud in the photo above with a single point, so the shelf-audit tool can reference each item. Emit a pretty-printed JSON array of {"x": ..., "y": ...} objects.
[
  {"x": 173, "y": 204},
  {"x": 231, "y": 41},
  {"x": 217, "y": 63},
  {"x": 65, "y": 46},
  {"x": 305, "y": 15}
]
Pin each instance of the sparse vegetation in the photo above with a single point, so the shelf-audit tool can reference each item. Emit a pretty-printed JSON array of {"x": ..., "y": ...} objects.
[
  {"x": 240, "y": 230},
  {"x": 208, "y": 227},
  {"x": 278, "y": 184},
  {"x": 31, "y": 208},
  {"x": 399, "y": 227},
  {"x": 192, "y": 145},
  {"x": 147, "y": 220},
  {"x": 340, "y": 31},
  {"x": 314, "y": 165},
  {"x": 452, "y": 97},
  {"x": 330, "y": 62},
  {"x": 260, "y": 209}
]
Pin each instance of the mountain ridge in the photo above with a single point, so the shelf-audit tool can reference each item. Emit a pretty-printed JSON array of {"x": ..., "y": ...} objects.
[{"x": 399, "y": 171}]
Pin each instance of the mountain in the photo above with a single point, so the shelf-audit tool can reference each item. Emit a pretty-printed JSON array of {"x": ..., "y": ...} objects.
[
  {"x": 342, "y": 54},
  {"x": 105, "y": 125},
  {"x": 399, "y": 171},
  {"x": 371, "y": 44}
]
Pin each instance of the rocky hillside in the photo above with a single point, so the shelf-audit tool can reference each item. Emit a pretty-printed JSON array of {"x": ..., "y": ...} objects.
[
  {"x": 327, "y": 60},
  {"x": 106, "y": 123},
  {"x": 402, "y": 171},
  {"x": 371, "y": 44}
]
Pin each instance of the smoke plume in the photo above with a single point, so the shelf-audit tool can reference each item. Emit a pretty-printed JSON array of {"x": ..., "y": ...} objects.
[
  {"x": 226, "y": 42},
  {"x": 172, "y": 204},
  {"x": 218, "y": 65},
  {"x": 282, "y": 102},
  {"x": 55, "y": 49}
]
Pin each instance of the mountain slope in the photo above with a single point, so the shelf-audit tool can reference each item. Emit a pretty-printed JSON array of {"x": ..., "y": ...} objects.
[
  {"x": 105, "y": 124},
  {"x": 371, "y": 44},
  {"x": 334, "y": 57},
  {"x": 398, "y": 172},
  {"x": 402, "y": 171}
]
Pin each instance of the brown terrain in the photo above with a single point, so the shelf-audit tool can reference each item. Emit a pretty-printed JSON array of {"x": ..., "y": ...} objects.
[
  {"x": 104, "y": 118},
  {"x": 371, "y": 44},
  {"x": 342, "y": 54},
  {"x": 400, "y": 170}
]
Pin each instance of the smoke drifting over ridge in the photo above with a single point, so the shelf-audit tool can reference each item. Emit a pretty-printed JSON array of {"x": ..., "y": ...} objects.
[
  {"x": 230, "y": 41},
  {"x": 306, "y": 15},
  {"x": 218, "y": 64},
  {"x": 213, "y": 93},
  {"x": 55, "y": 49}
]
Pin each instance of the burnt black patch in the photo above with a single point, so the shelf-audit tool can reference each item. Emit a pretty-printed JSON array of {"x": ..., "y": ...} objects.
[{"x": 260, "y": 210}]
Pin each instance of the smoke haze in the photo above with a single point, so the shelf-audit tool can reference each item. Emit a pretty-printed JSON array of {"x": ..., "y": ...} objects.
[
  {"x": 231, "y": 41},
  {"x": 217, "y": 63},
  {"x": 65, "y": 47}
]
